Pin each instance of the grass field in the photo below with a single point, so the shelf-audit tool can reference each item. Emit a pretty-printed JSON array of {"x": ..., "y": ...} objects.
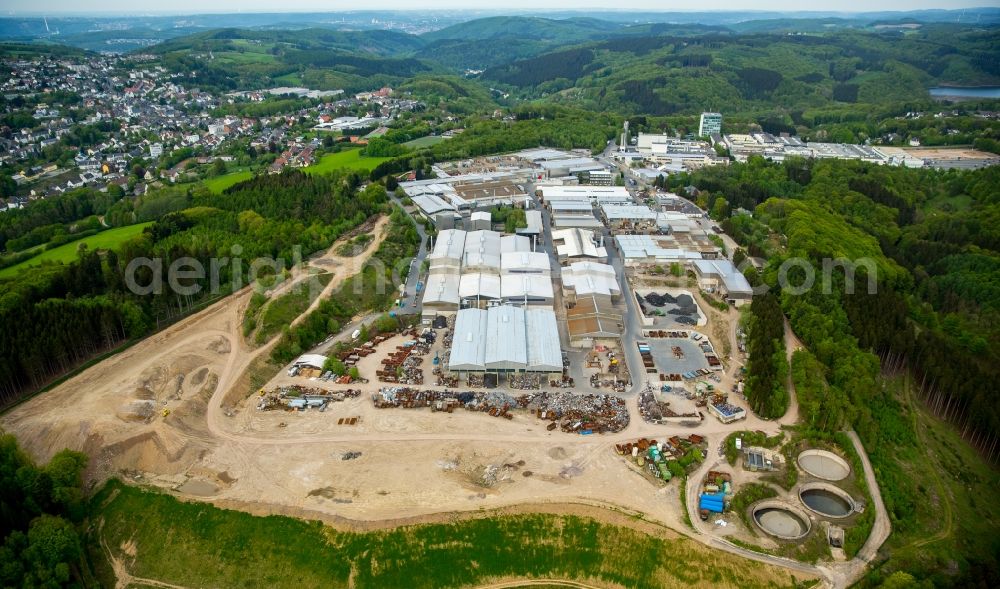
[
  {"x": 109, "y": 239},
  {"x": 424, "y": 141},
  {"x": 199, "y": 545},
  {"x": 220, "y": 183},
  {"x": 350, "y": 159}
]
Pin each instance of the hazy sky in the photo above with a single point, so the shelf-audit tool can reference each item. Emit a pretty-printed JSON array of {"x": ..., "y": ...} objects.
[{"x": 13, "y": 7}]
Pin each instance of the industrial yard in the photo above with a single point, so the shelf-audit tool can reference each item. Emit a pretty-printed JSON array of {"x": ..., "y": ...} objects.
[{"x": 530, "y": 372}]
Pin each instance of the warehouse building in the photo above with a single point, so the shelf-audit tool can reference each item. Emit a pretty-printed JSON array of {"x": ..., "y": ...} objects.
[
  {"x": 636, "y": 250},
  {"x": 505, "y": 339},
  {"x": 591, "y": 319},
  {"x": 583, "y": 280},
  {"x": 589, "y": 194},
  {"x": 534, "y": 224},
  {"x": 481, "y": 269},
  {"x": 569, "y": 214},
  {"x": 577, "y": 244},
  {"x": 629, "y": 218},
  {"x": 441, "y": 293},
  {"x": 724, "y": 277}
]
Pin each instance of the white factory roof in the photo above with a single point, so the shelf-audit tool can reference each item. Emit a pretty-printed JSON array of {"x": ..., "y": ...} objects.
[
  {"x": 481, "y": 216},
  {"x": 441, "y": 288},
  {"x": 570, "y": 206},
  {"x": 468, "y": 347},
  {"x": 506, "y": 338},
  {"x": 677, "y": 222},
  {"x": 525, "y": 262},
  {"x": 479, "y": 285},
  {"x": 450, "y": 244},
  {"x": 531, "y": 286},
  {"x": 725, "y": 271},
  {"x": 580, "y": 192},
  {"x": 432, "y": 204},
  {"x": 534, "y": 219},
  {"x": 583, "y": 221},
  {"x": 577, "y": 164},
  {"x": 628, "y": 212},
  {"x": 577, "y": 243},
  {"x": 506, "y": 341},
  {"x": 482, "y": 249},
  {"x": 591, "y": 278},
  {"x": 515, "y": 243},
  {"x": 643, "y": 246},
  {"x": 545, "y": 153},
  {"x": 544, "y": 353}
]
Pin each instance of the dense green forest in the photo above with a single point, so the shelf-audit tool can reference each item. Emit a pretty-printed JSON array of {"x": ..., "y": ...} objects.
[
  {"x": 84, "y": 308},
  {"x": 661, "y": 75},
  {"x": 40, "y": 509},
  {"x": 767, "y": 368},
  {"x": 652, "y": 69}
]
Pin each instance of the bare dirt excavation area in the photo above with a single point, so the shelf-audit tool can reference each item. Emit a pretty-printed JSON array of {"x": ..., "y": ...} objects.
[{"x": 176, "y": 411}]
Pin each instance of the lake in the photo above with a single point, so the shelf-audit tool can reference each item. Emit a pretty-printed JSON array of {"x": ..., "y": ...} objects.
[{"x": 977, "y": 92}]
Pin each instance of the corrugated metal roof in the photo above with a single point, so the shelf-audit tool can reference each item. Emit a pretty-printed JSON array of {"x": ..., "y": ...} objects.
[
  {"x": 506, "y": 347},
  {"x": 591, "y": 278},
  {"x": 515, "y": 287},
  {"x": 468, "y": 347},
  {"x": 479, "y": 284},
  {"x": 506, "y": 338},
  {"x": 544, "y": 352},
  {"x": 525, "y": 262},
  {"x": 441, "y": 288}
]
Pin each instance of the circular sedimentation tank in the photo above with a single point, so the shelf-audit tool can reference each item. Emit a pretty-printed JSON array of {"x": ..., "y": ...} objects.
[
  {"x": 781, "y": 520},
  {"x": 824, "y": 465},
  {"x": 826, "y": 500}
]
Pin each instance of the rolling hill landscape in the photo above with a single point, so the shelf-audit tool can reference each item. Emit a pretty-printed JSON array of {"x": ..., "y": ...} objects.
[{"x": 497, "y": 299}]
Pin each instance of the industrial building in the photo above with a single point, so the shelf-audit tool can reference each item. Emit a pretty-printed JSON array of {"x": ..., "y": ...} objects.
[
  {"x": 600, "y": 178},
  {"x": 672, "y": 154},
  {"x": 479, "y": 221},
  {"x": 442, "y": 200},
  {"x": 724, "y": 277},
  {"x": 591, "y": 319},
  {"x": 484, "y": 268},
  {"x": 569, "y": 214},
  {"x": 629, "y": 218},
  {"x": 709, "y": 124},
  {"x": 534, "y": 223},
  {"x": 554, "y": 163},
  {"x": 577, "y": 244},
  {"x": 590, "y": 280},
  {"x": 503, "y": 339},
  {"x": 589, "y": 194},
  {"x": 638, "y": 250}
]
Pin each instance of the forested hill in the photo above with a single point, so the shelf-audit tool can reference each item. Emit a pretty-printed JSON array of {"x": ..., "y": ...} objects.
[
  {"x": 553, "y": 31},
  {"x": 659, "y": 75},
  {"x": 322, "y": 59}
]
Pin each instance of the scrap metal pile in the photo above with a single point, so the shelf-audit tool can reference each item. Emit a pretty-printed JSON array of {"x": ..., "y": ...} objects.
[
  {"x": 403, "y": 365},
  {"x": 588, "y": 413},
  {"x": 301, "y": 397},
  {"x": 525, "y": 382},
  {"x": 578, "y": 413},
  {"x": 654, "y": 411}
]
